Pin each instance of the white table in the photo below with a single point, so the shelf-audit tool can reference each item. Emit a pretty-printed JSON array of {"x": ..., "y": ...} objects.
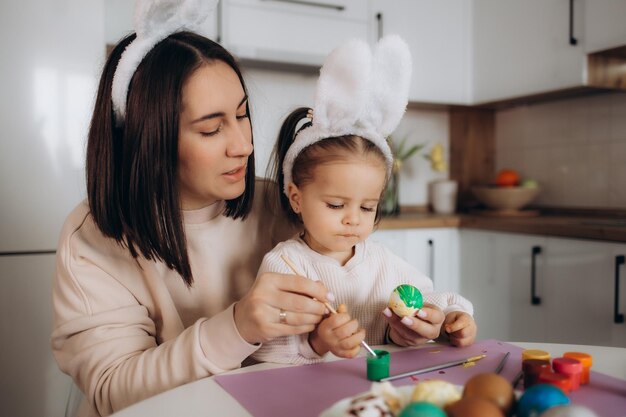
[{"x": 205, "y": 397}]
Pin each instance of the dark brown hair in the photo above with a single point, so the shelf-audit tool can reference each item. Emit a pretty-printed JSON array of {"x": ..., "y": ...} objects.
[
  {"x": 132, "y": 183},
  {"x": 321, "y": 152}
]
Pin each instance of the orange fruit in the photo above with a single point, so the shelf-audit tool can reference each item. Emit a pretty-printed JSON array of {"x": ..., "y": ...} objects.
[{"x": 507, "y": 178}]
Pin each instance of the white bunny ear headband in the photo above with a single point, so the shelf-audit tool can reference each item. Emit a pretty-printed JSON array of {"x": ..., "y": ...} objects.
[
  {"x": 359, "y": 92},
  {"x": 154, "y": 21}
]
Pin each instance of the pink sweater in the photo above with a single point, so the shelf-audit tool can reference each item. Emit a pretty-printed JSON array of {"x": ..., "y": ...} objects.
[{"x": 126, "y": 330}]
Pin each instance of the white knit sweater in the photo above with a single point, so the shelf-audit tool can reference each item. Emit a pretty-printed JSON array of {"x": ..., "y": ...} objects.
[{"x": 364, "y": 284}]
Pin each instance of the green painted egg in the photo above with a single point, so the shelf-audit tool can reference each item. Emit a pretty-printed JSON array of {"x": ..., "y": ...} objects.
[
  {"x": 406, "y": 300},
  {"x": 422, "y": 409}
]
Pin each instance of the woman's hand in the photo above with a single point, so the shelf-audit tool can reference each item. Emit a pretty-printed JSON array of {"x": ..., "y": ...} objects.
[
  {"x": 280, "y": 305},
  {"x": 460, "y": 328},
  {"x": 413, "y": 331},
  {"x": 338, "y": 334}
]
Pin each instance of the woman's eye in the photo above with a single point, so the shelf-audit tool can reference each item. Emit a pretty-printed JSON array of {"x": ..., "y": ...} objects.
[
  {"x": 334, "y": 206},
  {"x": 243, "y": 116},
  {"x": 211, "y": 133}
]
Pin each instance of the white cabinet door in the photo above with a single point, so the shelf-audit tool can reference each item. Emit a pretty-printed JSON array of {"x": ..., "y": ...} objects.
[
  {"x": 618, "y": 294},
  {"x": 577, "y": 298},
  {"x": 438, "y": 33},
  {"x": 432, "y": 251},
  {"x": 522, "y": 48},
  {"x": 520, "y": 259},
  {"x": 495, "y": 277},
  {"x": 31, "y": 382},
  {"x": 292, "y": 32},
  {"x": 604, "y": 24}
]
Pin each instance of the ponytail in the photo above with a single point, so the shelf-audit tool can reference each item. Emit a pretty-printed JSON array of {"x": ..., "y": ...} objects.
[{"x": 286, "y": 137}]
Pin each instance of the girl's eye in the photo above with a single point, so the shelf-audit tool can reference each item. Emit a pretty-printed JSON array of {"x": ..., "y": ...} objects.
[
  {"x": 368, "y": 209},
  {"x": 334, "y": 206}
]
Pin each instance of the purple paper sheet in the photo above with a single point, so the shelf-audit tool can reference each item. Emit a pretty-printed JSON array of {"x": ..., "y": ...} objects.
[{"x": 305, "y": 391}]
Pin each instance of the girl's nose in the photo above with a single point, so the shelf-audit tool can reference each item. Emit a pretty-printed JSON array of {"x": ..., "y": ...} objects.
[{"x": 352, "y": 217}]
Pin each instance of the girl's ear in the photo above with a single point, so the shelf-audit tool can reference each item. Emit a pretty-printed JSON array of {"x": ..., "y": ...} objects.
[{"x": 295, "y": 197}]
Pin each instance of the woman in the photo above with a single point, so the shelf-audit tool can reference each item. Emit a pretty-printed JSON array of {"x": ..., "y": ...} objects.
[{"x": 155, "y": 274}]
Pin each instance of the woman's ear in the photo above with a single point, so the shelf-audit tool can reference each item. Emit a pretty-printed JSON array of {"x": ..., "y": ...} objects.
[{"x": 295, "y": 198}]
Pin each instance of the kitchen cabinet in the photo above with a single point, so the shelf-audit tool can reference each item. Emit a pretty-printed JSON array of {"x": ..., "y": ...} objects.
[
  {"x": 290, "y": 31},
  {"x": 604, "y": 26},
  {"x": 433, "y": 251},
  {"x": 438, "y": 34},
  {"x": 522, "y": 48},
  {"x": 573, "y": 296},
  {"x": 118, "y": 21}
]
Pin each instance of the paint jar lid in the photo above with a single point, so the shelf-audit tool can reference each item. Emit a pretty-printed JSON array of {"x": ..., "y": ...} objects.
[
  {"x": 378, "y": 367},
  {"x": 584, "y": 358},
  {"x": 535, "y": 354},
  {"x": 567, "y": 365}
]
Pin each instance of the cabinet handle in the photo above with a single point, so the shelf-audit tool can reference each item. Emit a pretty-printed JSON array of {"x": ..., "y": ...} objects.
[
  {"x": 572, "y": 39},
  {"x": 431, "y": 245},
  {"x": 338, "y": 7},
  {"x": 534, "y": 299},
  {"x": 379, "y": 19},
  {"x": 619, "y": 318},
  {"x": 219, "y": 22}
]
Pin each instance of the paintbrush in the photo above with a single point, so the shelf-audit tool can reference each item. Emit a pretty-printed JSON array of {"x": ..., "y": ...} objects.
[
  {"x": 326, "y": 303},
  {"x": 435, "y": 368}
]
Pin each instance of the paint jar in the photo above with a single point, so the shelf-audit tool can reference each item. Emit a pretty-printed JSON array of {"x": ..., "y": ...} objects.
[
  {"x": 586, "y": 360},
  {"x": 571, "y": 368},
  {"x": 535, "y": 354},
  {"x": 557, "y": 380},
  {"x": 378, "y": 367},
  {"x": 532, "y": 368}
]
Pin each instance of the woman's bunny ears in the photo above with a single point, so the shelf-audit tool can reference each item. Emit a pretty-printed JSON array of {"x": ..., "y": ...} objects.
[
  {"x": 360, "y": 92},
  {"x": 154, "y": 21}
]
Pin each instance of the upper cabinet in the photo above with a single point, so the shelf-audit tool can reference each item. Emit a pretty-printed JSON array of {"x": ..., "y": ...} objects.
[
  {"x": 523, "y": 47},
  {"x": 604, "y": 24},
  {"x": 438, "y": 33},
  {"x": 290, "y": 31}
]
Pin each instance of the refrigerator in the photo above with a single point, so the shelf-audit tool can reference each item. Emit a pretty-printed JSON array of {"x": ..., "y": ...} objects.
[{"x": 52, "y": 53}]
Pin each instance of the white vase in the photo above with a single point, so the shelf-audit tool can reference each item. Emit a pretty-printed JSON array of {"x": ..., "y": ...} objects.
[{"x": 443, "y": 196}]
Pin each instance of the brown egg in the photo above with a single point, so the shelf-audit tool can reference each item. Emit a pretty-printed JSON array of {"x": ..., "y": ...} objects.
[
  {"x": 491, "y": 387},
  {"x": 473, "y": 407}
]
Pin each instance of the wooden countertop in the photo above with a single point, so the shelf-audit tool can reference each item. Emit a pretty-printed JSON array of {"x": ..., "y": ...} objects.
[{"x": 568, "y": 226}]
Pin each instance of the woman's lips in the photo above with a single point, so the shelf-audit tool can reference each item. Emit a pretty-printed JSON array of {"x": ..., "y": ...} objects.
[{"x": 236, "y": 174}]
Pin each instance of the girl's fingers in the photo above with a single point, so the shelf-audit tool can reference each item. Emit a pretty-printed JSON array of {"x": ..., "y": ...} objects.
[
  {"x": 347, "y": 329},
  {"x": 353, "y": 341}
]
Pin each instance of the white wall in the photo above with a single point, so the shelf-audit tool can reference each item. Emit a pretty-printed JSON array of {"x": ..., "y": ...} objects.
[
  {"x": 575, "y": 149},
  {"x": 274, "y": 94}
]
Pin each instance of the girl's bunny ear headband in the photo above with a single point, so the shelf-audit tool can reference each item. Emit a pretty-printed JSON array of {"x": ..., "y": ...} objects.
[
  {"x": 360, "y": 92},
  {"x": 154, "y": 21}
]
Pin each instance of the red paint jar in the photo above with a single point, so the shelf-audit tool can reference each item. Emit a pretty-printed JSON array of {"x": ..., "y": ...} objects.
[
  {"x": 532, "y": 368},
  {"x": 558, "y": 380},
  {"x": 586, "y": 360},
  {"x": 571, "y": 368}
]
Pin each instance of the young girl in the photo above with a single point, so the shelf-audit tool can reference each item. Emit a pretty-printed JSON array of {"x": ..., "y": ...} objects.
[{"x": 334, "y": 171}]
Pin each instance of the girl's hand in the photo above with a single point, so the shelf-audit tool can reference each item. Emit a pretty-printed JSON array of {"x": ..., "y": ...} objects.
[
  {"x": 338, "y": 334},
  {"x": 413, "y": 331},
  {"x": 258, "y": 313},
  {"x": 460, "y": 328}
]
